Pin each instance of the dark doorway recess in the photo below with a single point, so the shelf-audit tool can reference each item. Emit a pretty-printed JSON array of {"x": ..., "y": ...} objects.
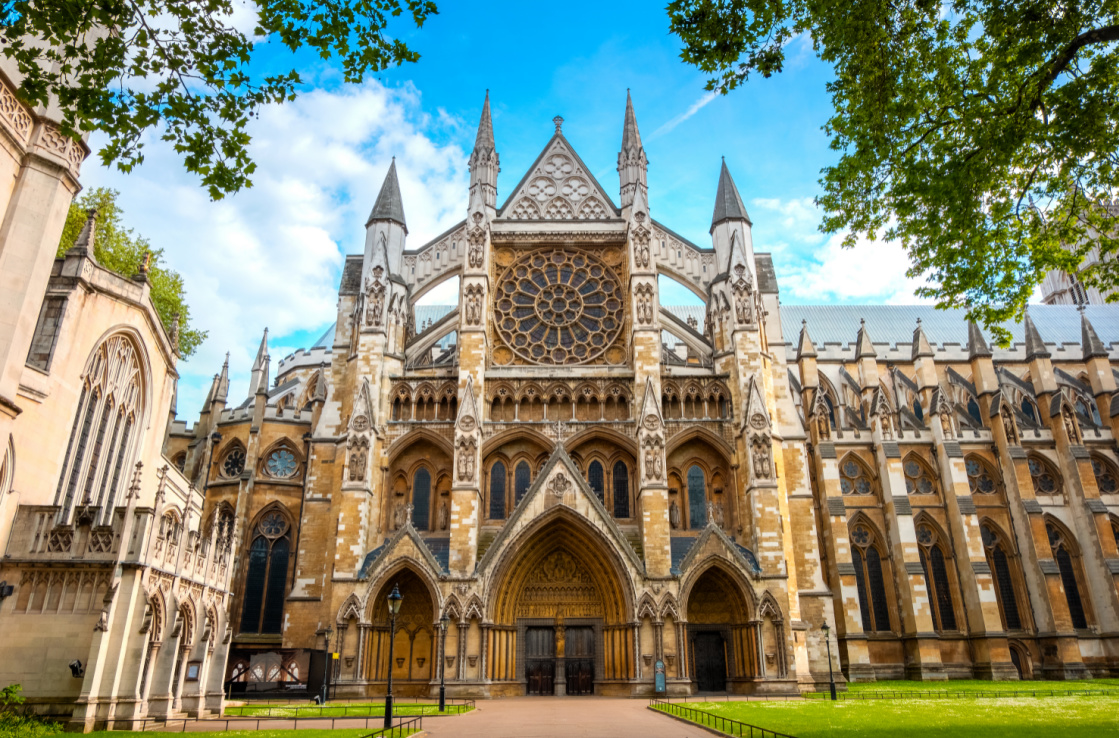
[
  {"x": 540, "y": 660},
  {"x": 579, "y": 660},
  {"x": 710, "y": 662}
]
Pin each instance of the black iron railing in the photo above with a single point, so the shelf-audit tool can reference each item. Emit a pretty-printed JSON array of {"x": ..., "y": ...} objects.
[
  {"x": 404, "y": 727},
  {"x": 933, "y": 694},
  {"x": 334, "y": 709},
  {"x": 723, "y": 724}
]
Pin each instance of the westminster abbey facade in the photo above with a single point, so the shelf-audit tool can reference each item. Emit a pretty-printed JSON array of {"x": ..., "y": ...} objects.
[{"x": 576, "y": 488}]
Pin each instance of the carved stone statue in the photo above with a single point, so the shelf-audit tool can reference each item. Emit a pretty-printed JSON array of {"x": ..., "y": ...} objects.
[
  {"x": 358, "y": 460},
  {"x": 674, "y": 515},
  {"x": 717, "y": 513},
  {"x": 476, "y": 241},
  {"x": 742, "y": 301},
  {"x": 398, "y": 515},
  {"x": 375, "y": 302},
  {"x": 444, "y": 516},
  {"x": 763, "y": 465},
  {"x": 1070, "y": 426},
  {"x": 474, "y": 305},
  {"x": 465, "y": 459},
  {"x": 1009, "y": 426},
  {"x": 653, "y": 462}
]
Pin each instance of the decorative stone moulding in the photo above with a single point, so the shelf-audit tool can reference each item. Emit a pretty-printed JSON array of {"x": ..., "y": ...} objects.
[
  {"x": 399, "y": 662},
  {"x": 473, "y": 661}
]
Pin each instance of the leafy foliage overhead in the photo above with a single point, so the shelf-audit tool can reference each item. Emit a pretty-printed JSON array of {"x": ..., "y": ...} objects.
[
  {"x": 982, "y": 135},
  {"x": 117, "y": 248},
  {"x": 185, "y": 70}
]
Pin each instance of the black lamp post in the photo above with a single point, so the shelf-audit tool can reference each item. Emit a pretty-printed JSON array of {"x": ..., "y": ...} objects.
[
  {"x": 443, "y": 663},
  {"x": 328, "y": 670},
  {"x": 827, "y": 639},
  {"x": 394, "y": 607}
]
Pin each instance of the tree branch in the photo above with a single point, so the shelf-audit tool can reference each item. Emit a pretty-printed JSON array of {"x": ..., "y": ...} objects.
[{"x": 1057, "y": 64}]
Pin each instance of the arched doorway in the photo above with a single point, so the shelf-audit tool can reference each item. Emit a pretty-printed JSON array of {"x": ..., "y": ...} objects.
[
  {"x": 722, "y": 644},
  {"x": 414, "y": 654},
  {"x": 561, "y": 595}
]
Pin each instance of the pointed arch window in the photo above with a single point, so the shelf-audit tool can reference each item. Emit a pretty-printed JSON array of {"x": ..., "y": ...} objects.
[
  {"x": 1029, "y": 411},
  {"x": 1106, "y": 478},
  {"x": 421, "y": 499},
  {"x": 522, "y": 480},
  {"x": 869, "y": 580},
  {"x": 596, "y": 480},
  {"x": 980, "y": 479},
  {"x": 697, "y": 498},
  {"x": 1000, "y": 568},
  {"x": 497, "y": 491},
  {"x": 262, "y": 610},
  {"x": 1046, "y": 481},
  {"x": 101, "y": 438},
  {"x": 936, "y": 578},
  {"x": 918, "y": 480},
  {"x": 1067, "y": 566},
  {"x": 973, "y": 411},
  {"x": 853, "y": 479},
  {"x": 621, "y": 490}
]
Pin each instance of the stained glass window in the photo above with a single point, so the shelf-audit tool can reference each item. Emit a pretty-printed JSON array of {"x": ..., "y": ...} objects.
[
  {"x": 421, "y": 499},
  {"x": 621, "y": 490},
  {"x": 497, "y": 491},
  {"x": 595, "y": 480},
  {"x": 281, "y": 463},
  {"x": 522, "y": 480},
  {"x": 697, "y": 499}
]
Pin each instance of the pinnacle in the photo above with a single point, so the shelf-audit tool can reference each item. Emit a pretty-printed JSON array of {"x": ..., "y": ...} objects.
[
  {"x": 1035, "y": 346},
  {"x": 484, "y": 141},
  {"x": 805, "y": 347},
  {"x": 389, "y": 205},
  {"x": 1090, "y": 340},
  {"x": 87, "y": 238},
  {"x": 976, "y": 344},
  {"x": 631, "y": 136},
  {"x": 728, "y": 203}
]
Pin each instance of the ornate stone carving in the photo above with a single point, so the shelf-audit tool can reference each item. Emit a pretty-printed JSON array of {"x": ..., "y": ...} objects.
[
  {"x": 644, "y": 294},
  {"x": 559, "y": 484},
  {"x": 559, "y": 584},
  {"x": 444, "y": 515},
  {"x": 654, "y": 464},
  {"x": 466, "y": 448},
  {"x": 473, "y": 310},
  {"x": 1072, "y": 428},
  {"x": 374, "y": 298},
  {"x": 1009, "y": 425},
  {"x": 641, "y": 247},
  {"x": 359, "y": 457},
  {"x": 743, "y": 297},
  {"x": 760, "y": 454},
  {"x": 476, "y": 241},
  {"x": 674, "y": 515}
]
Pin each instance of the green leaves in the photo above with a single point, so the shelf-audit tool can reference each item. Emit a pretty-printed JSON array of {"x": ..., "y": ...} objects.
[
  {"x": 982, "y": 135},
  {"x": 118, "y": 249},
  {"x": 180, "y": 69}
]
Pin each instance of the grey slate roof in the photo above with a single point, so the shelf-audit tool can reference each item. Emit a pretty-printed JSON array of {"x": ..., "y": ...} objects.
[
  {"x": 350, "y": 283},
  {"x": 326, "y": 340},
  {"x": 389, "y": 205},
  {"x": 728, "y": 203},
  {"x": 894, "y": 324}
]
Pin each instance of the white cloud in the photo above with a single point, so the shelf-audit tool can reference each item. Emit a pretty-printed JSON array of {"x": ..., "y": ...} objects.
[
  {"x": 695, "y": 108},
  {"x": 272, "y": 255},
  {"x": 815, "y": 268}
]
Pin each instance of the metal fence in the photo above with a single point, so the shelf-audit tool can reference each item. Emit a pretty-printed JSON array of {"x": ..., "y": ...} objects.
[
  {"x": 357, "y": 708},
  {"x": 225, "y": 725},
  {"x": 946, "y": 695},
  {"x": 404, "y": 727},
  {"x": 726, "y": 725}
]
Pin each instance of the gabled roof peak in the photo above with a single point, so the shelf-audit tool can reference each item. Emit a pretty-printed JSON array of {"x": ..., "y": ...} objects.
[
  {"x": 1035, "y": 346},
  {"x": 728, "y": 203},
  {"x": 1090, "y": 340},
  {"x": 389, "y": 205}
]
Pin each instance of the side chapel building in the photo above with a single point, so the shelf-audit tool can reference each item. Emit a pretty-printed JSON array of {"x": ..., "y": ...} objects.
[{"x": 586, "y": 483}]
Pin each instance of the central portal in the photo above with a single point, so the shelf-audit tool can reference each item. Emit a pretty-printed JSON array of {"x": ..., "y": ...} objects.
[{"x": 559, "y": 660}]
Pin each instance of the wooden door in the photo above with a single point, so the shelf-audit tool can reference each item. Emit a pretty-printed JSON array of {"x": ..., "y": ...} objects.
[
  {"x": 710, "y": 662},
  {"x": 579, "y": 661},
  {"x": 540, "y": 660}
]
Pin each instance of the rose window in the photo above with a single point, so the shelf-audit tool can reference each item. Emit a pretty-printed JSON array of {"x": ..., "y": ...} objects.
[
  {"x": 281, "y": 463},
  {"x": 273, "y": 525},
  {"x": 916, "y": 480},
  {"x": 234, "y": 462},
  {"x": 852, "y": 479},
  {"x": 978, "y": 478},
  {"x": 560, "y": 307},
  {"x": 1044, "y": 481}
]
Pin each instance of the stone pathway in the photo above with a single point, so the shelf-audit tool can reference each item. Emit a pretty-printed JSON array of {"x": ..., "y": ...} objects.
[{"x": 541, "y": 717}]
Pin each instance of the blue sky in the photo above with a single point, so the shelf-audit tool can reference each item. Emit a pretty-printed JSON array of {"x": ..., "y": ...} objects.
[{"x": 271, "y": 256}]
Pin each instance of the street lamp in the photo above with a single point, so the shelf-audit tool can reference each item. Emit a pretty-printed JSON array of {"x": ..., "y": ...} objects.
[
  {"x": 329, "y": 668},
  {"x": 394, "y": 607},
  {"x": 442, "y": 663},
  {"x": 827, "y": 639}
]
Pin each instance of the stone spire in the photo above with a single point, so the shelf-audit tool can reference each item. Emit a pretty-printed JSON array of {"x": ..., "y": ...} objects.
[
  {"x": 633, "y": 166},
  {"x": 976, "y": 344},
  {"x": 484, "y": 163},
  {"x": 87, "y": 238},
  {"x": 223, "y": 381},
  {"x": 259, "y": 381},
  {"x": 864, "y": 347},
  {"x": 728, "y": 203},
  {"x": 805, "y": 347},
  {"x": 1035, "y": 347},
  {"x": 921, "y": 346},
  {"x": 1089, "y": 339},
  {"x": 389, "y": 205}
]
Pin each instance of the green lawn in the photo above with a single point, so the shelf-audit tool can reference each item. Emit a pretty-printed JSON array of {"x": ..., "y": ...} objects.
[
  {"x": 977, "y": 685},
  {"x": 364, "y": 709},
  {"x": 1020, "y": 717}
]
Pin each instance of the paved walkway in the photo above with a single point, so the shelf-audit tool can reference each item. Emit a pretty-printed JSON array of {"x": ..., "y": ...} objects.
[{"x": 540, "y": 717}]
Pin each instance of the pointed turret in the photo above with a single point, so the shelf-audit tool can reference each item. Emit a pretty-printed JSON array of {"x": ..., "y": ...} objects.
[
  {"x": 1089, "y": 339},
  {"x": 1035, "y": 346},
  {"x": 633, "y": 166},
  {"x": 730, "y": 224},
  {"x": 864, "y": 347},
  {"x": 87, "y": 238},
  {"x": 259, "y": 381},
  {"x": 728, "y": 203},
  {"x": 389, "y": 205},
  {"x": 976, "y": 344},
  {"x": 921, "y": 346},
  {"x": 222, "y": 392},
  {"x": 386, "y": 225},
  {"x": 484, "y": 163},
  {"x": 805, "y": 347}
]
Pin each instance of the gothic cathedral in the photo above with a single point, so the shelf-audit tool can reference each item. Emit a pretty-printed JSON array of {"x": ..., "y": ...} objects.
[{"x": 575, "y": 488}]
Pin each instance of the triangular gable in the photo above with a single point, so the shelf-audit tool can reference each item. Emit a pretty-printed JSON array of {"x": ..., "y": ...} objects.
[
  {"x": 559, "y": 482},
  {"x": 756, "y": 415},
  {"x": 403, "y": 543},
  {"x": 558, "y": 186},
  {"x": 713, "y": 538},
  {"x": 467, "y": 420}
]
